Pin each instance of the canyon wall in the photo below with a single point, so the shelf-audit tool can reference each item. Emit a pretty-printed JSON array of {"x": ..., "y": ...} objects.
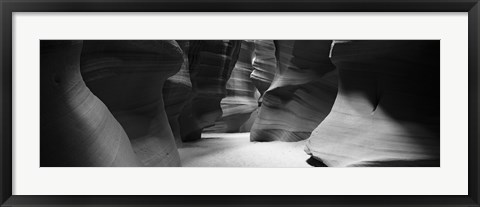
[
  {"x": 242, "y": 96},
  {"x": 264, "y": 64},
  {"x": 211, "y": 64},
  {"x": 133, "y": 103},
  {"x": 301, "y": 93},
  {"x": 128, "y": 76},
  {"x": 76, "y": 128},
  {"x": 176, "y": 93},
  {"x": 387, "y": 112}
]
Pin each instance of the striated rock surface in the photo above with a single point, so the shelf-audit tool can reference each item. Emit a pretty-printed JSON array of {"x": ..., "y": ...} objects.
[
  {"x": 76, "y": 128},
  {"x": 301, "y": 94},
  {"x": 264, "y": 64},
  {"x": 128, "y": 76},
  {"x": 176, "y": 93},
  {"x": 211, "y": 63},
  {"x": 241, "y": 99},
  {"x": 387, "y": 111}
]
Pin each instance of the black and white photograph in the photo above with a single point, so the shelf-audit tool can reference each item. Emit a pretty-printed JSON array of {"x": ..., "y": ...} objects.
[{"x": 240, "y": 103}]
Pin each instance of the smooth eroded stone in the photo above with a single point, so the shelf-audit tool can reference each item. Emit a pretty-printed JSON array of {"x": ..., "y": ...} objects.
[
  {"x": 176, "y": 92},
  {"x": 76, "y": 128},
  {"x": 301, "y": 94},
  {"x": 241, "y": 99},
  {"x": 211, "y": 63},
  {"x": 264, "y": 64},
  {"x": 387, "y": 112},
  {"x": 128, "y": 76}
]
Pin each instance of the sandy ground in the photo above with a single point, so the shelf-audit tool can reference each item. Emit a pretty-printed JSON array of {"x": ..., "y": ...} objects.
[{"x": 236, "y": 150}]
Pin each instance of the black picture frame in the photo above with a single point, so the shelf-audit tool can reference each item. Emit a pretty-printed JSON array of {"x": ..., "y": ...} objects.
[{"x": 7, "y": 8}]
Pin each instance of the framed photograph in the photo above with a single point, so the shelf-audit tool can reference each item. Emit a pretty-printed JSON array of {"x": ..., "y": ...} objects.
[{"x": 239, "y": 103}]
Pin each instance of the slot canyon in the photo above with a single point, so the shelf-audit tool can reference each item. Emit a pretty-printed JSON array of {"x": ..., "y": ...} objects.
[{"x": 240, "y": 103}]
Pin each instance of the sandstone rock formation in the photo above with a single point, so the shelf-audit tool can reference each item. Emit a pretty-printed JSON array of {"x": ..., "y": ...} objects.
[
  {"x": 211, "y": 63},
  {"x": 77, "y": 129},
  {"x": 241, "y": 99},
  {"x": 176, "y": 93},
  {"x": 131, "y": 103},
  {"x": 128, "y": 76},
  {"x": 264, "y": 64},
  {"x": 301, "y": 94},
  {"x": 387, "y": 112}
]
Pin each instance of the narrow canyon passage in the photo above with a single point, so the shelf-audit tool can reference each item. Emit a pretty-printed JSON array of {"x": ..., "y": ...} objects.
[{"x": 240, "y": 103}]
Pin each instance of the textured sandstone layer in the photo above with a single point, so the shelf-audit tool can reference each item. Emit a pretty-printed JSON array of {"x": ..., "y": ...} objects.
[
  {"x": 301, "y": 94},
  {"x": 241, "y": 99},
  {"x": 387, "y": 111},
  {"x": 76, "y": 128},
  {"x": 128, "y": 76},
  {"x": 211, "y": 63},
  {"x": 264, "y": 64},
  {"x": 176, "y": 93}
]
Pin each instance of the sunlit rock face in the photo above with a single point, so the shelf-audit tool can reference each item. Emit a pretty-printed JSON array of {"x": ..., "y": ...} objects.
[
  {"x": 241, "y": 99},
  {"x": 211, "y": 63},
  {"x": 264, "y": 64},
  {"x": 301, "y": 94},
  {"x": 387, "y": 112},
  {"x": 176, "y": 93},
  {"x": 128, "y": 76},
  {"x": 77, "y": 129}
]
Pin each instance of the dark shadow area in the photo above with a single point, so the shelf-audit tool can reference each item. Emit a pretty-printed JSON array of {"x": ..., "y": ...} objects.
[{"x": 315, "y": 163}]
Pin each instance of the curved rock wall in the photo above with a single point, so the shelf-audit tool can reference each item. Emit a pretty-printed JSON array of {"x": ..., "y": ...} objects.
[
  {"x": 142, "y": 96},
  {"x": 176, "y": 93},
  {"x": 264, "y": 64},
  {"x": 387, "y": 112},
  {"x": 211, "y": 63},
  {"x": 77, "y": 129},
  {"x": 128, "y": 76},
  {"x": 241, "y": 99},
  {"x": 301, "y": 93}
]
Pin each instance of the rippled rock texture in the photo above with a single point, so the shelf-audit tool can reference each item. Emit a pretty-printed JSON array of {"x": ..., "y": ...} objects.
[
  {"x": 264, "y": 64},
  {"x": 301, "y": 94},
  {"x": 176, "y": 92},
  {"x": 242, "y": 96},
  {"x": 387, "y": 112},
  {"x": 211, "y": 63},
  {"x": 132, "y": 103},
  {"x": 128, "y": 76},
  {"x": 77, "y": 129}
]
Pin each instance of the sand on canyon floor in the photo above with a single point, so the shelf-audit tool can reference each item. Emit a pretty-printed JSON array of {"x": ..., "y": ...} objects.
[{"x": 236, "y": 150}]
